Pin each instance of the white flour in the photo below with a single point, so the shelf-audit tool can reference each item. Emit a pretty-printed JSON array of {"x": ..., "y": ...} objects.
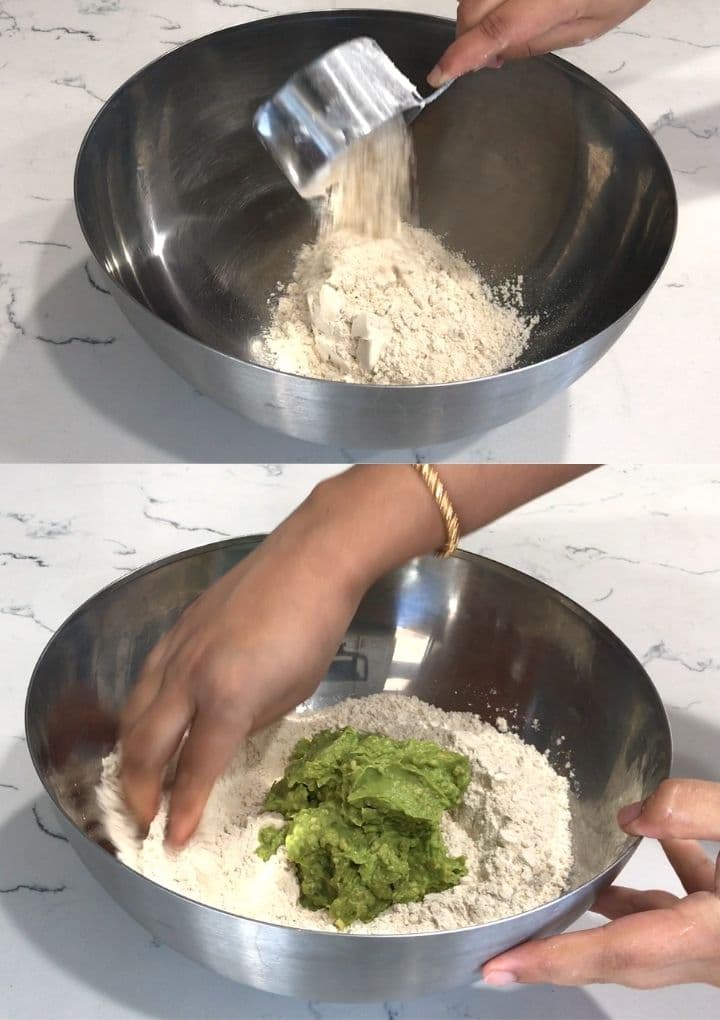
[
  {"x": 376, "y": 299},
  {"x": 514, "y": 826}
]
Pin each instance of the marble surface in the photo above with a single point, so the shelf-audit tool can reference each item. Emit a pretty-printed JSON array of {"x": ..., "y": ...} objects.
[
  {"x": 619, "y": 541},
  {"x": 90, "y": 389}
]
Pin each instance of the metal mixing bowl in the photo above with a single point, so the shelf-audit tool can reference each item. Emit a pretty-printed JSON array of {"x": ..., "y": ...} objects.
[
  {"x": 465, "y": 634},
  {"x": 535, "y": 169}
]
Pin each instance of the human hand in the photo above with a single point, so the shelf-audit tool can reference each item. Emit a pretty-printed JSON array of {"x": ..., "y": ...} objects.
[
  {"x": 492, "y": 31},
  {"x": 248, "y": 650},
  {"x": 654, "y": 938},
  {"x": 258, "y": 641}
]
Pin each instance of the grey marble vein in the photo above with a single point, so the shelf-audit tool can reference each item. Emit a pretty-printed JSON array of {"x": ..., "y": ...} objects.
[
  {"x": 93, "y": 283},
  {"x": 75, "y": 81},
  {"x": 582, "y": 505},
  {"x": 41, "y": 529},
  {"x": 178, "y": 526},
  {"x": 20, "y": 557},
  {"x": 43, "y": 827},
  {"x": 8, "y": 22},
  {"x": 25, "y": 613},
  {"x": 48, "y": 244},
  {"x": 249, "y": 7},
  {"x": 14, "y": 515},
  {"x": 123, "y": 548},
  {"x": 687, "y": 707},
  {"x": 669, "y": 120},
  {"x": 170, "y": 25},
  {"x": 26, "y": 887},
  {"x": 50, "y": 529},
  {"x": 593, "y": 553},
  {"x": 8, "y": 786},
  {"x": 93, "y": 341},
  {"x": 99, "y": 6},
  {"x": 690, "y": 173},
  {"x": 11, "y": 314},
  {"x": 660, "y": 651},
  {"x": 667, "y": 38},
  {"x": 62, "y": 30}
]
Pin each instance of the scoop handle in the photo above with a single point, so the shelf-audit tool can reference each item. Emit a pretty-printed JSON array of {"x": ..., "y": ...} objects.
[
  {"x": 438, "y": 92},
  {"x": 424, "y": 101}
]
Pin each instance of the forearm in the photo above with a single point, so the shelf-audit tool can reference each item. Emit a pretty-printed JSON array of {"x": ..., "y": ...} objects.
[{"x": 370, "y": 519}]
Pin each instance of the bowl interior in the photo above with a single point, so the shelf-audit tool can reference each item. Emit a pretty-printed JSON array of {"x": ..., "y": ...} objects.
[
  {"x": 533, "y": 170},
  {"x": 465, "y": 634}
]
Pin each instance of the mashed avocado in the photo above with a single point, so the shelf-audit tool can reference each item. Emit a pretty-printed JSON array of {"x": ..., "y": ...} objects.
[{"x": 363, "y": 821}]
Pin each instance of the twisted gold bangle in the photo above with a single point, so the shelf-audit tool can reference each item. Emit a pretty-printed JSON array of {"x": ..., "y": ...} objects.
[{"x": 437, "y": 490}]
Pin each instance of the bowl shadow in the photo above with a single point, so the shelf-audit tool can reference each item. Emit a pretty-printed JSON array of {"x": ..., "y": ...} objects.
[{"x": 105, "y": 366}]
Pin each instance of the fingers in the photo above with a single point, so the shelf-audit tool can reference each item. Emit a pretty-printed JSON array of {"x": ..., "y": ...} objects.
[
  {"x": 147, "y": 747},
  {"x": 617, "y": 901},
  {"x": 501, "y": 29},
  {"x": 692, "y": 865},
  {"x": 146, "y": 686},
  {"x": 679, "y": 809},
  {"x": 641, "y": 950},
  {"x": 206, "y": 754}
]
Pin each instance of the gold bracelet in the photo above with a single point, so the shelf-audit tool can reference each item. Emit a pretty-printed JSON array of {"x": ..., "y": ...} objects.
[{"x": 429, "y": 475}]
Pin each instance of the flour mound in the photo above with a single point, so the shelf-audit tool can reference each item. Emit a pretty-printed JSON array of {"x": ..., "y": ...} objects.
[
  {"x": 391, "y": 310},
  {"x": 378, "y": 300},
  {"x": 513, "y": 828}
]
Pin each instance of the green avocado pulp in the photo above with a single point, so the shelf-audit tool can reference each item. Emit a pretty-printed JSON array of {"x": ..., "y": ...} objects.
[{"x": 363, "y": 821}]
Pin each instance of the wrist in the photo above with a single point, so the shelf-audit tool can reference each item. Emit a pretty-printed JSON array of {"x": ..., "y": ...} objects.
[{"x": 369, "y": 520}]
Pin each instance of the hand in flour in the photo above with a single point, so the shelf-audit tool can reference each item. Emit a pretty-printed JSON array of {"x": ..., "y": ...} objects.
[
  {"x": 654, "y": 938},
  {"x": 492, "y": 31},
  {"x": 251, "y": 648},
  {"x": 260, "y": 639}
]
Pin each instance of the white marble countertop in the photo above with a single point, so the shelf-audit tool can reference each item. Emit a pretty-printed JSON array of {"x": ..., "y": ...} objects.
[
  {"x": 617, "y": 541},
  {"x": 652, "y": 398}
]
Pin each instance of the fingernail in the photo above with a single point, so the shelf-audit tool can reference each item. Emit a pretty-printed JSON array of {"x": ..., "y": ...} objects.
[
  {"x": 500, "y": 978},
  {"x": 630, "y": 812},
  {"x": 437, "y": 77}
]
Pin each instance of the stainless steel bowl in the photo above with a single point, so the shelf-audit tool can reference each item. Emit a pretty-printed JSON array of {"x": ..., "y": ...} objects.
[
  {"x": 535, "y": 169},
  {"x": 465, "y": 634}
]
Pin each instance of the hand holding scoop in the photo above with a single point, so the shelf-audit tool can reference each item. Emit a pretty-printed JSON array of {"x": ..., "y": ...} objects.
[{"x": 343, "y": 96}]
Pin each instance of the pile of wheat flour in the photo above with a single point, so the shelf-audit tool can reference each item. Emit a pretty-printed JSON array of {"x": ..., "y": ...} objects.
[
  {"x": 513, "y": 828},
  {"x": 376, "y": 299}
]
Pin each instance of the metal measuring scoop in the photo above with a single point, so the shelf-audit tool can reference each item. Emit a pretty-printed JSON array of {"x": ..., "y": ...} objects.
[{"x": 335, "y": 101}]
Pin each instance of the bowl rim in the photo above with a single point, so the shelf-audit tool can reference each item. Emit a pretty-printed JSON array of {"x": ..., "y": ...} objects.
[
  {"x": 252, "y": 542},
  {"x": 259, "y": 24}
]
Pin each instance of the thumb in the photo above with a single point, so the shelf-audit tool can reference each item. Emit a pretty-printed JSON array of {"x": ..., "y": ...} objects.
[{"x": 679, "y": 809}]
